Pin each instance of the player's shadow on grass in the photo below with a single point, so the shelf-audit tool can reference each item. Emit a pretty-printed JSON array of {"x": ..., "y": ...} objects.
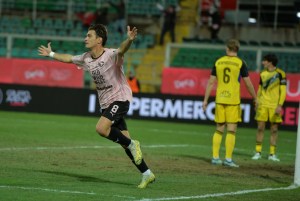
[
  {"x": 83, "y": 178},
  {"x": 204, "y": 159}
]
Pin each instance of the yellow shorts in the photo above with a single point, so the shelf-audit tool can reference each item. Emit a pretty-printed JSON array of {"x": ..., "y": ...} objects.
[
  {"x": 227, "y": 113},
  {"x": 267, "y": 114}
]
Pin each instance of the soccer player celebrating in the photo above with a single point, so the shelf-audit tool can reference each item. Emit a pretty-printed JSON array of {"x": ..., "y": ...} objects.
[
  {"x": 106, "y": 68},
  {"x": 271, "y": 96},
  {"x": 227, "y": 71}
]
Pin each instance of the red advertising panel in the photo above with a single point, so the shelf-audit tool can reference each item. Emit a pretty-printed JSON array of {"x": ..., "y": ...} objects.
[
  {"x": 40, "y": 72},
  {"x": 184, "y": 81},
  {"x": 6, "y": 71},
  {"x": 293, "y": 87}
]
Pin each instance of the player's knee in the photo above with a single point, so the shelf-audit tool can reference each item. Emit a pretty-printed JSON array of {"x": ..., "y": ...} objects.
[
  {"x": 101, "y": 130},
  {"x": 261, "y": 129},
  {"x": 274, "y": 131}
]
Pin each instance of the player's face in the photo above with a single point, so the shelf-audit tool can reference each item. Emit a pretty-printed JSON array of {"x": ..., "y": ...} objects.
[
  {"x": 91, "y": 40},
  {"x": 265, "y": 63}
]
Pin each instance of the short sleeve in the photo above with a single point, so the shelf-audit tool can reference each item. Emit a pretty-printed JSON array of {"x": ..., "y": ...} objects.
[
  {"x": 116, "y": 57},
  {"x": 244, "y": 70},
  {"x": 214, "y": 68},
  {"x": 214, "y": 71}
]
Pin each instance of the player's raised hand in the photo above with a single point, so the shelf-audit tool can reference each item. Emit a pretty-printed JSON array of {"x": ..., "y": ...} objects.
[
  {"x": 45, "y": 51},
  {"x": 132, "y": 34}
]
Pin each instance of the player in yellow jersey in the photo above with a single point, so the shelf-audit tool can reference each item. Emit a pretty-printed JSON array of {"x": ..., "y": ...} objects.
[
  {"x": 227, "y": 71},
  {"x": 271, "y": 96}
]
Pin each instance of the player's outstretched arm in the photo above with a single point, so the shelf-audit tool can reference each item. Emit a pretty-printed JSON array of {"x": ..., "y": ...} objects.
[
  {"x": 125, "y": 45},
  {"x": 47, "y": 52}
]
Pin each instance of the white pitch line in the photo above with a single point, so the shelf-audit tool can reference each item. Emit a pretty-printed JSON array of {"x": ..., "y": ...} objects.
[
  {"x": 49, "y": 190},
  {"x": 242, "y": 192},
  {"x": 63, "y": 191}
]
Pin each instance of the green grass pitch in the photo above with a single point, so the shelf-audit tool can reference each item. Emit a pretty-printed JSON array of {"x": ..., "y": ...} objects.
[{"x": 61, "y": 158}]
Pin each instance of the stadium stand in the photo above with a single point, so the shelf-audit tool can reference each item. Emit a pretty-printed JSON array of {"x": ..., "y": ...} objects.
[
  {"x": 253, "y": 43},
  {"x": 150, "y": 69},
  {"x": 135, "y": 7},
  {"x": 21, "y": 33},
  {"x": 204, "y": 58},
  {"x": 194, "y": 55}
]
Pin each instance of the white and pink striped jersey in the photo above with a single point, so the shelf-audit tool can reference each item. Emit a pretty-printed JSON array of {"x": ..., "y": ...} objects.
[{"x": 108, "y": 74}]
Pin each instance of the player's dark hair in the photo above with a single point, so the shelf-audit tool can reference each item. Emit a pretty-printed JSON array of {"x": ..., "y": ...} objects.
[
  {"x": 271, "y": 58},
  {"x": 233, "y": 45},
  {"x": 101, "y": 31}
]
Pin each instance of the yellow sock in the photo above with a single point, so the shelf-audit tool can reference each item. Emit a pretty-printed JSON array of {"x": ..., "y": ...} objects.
[
  {"x": 258, "y": 147},
  {"x": 229, "y": 144},
  {"x": 272, "y": 149},
  {"x": 217, "y": 140}
]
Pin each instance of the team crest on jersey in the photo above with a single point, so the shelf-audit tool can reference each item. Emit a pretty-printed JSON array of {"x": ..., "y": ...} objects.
[
  {"x": 225, "y": 94},
  {"x": 101, "y": 63}
]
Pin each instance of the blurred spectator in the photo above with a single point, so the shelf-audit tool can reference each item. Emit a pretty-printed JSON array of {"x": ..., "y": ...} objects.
[
  {"x": 215, "y": 19},
  {"x": 86, "y": 18},
  {"x": 204, "y": 15},
  {"x": 169, "y": 21},
  {"x": 121, "y": 21},
  {"x": 133, "y": 82},
  {"x": 201, "y": 29}
]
